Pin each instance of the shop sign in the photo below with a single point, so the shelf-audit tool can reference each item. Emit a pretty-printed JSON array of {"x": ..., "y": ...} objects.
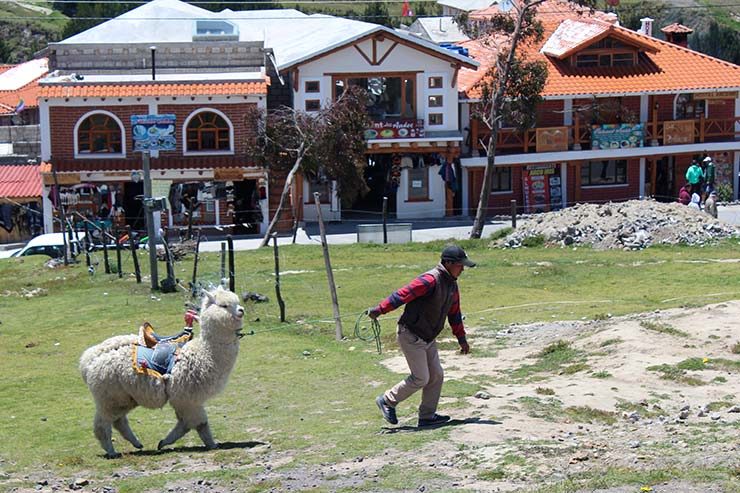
[
  {"x": 62, "y": 178},
  {"x": 228, "y": 174},
  {"x": 617, "y": 136},
  {"x": 550, "y": 139},
  {"x": 716, "y": 95},
  {"x": 678, "y": 132},
  {"x": 542, "y": 188},
  {"x": 153, "y": 132},
  {"x": 400, "y": 129},
  {"x": 161, "y": 188}
]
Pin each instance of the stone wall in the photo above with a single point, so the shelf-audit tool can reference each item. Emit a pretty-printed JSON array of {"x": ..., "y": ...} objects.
[{"x": 206, "y": 56}]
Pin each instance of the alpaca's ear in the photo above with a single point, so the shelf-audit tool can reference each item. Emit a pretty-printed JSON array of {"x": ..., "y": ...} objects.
[{"x": 211, "y": 298}]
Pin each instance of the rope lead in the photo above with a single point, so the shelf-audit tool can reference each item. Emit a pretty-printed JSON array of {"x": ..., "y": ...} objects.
[{"x": 366, "y": 334}]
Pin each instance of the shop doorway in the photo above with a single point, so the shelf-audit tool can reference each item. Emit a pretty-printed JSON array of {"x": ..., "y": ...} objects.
[
  {"x": 247, "y": 212},
  {"x": 665, "y": 184},
  {"x": 382, "y": 176},
  {"x": 132, "y": 205}
]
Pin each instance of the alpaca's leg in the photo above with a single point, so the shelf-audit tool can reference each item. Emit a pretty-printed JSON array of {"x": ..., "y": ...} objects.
[
  {"x": 121, "y": 424},
  {"x": 204, "y": 431},
  {"x": 194, "y": 417},
  {"x": 102, "y": 429},
  {"x": 198, "y": 419},
  {"x": 177, "y": 432}
]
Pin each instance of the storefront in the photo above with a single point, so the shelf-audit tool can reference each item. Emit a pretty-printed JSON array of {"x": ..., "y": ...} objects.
[{"x": 233, "y": 200}]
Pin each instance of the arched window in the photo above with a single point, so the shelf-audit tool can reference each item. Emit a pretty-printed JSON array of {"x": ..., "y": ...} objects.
[
  {"x": 208, "y": 131},
  {"x": 99, "y": 133}
]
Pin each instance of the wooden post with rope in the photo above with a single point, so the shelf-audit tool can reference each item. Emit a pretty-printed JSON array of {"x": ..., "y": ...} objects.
[
  {"x": 118, "y": 253},
  {"x": 329, "y": 273},
  {"x": 281, "y": 303},
  {"x": 134, "y": 255},
  {"x": 232, "y": 283},
  {"x": 223, "y": 264}
]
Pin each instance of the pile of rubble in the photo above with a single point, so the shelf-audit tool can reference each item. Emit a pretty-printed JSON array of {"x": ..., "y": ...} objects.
[{"x": 631, "y": 225}]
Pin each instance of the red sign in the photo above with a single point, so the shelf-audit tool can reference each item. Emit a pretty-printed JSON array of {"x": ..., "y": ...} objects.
[
  {"x": 399, "y": 129},
  {"x": 542, "y": 188}
]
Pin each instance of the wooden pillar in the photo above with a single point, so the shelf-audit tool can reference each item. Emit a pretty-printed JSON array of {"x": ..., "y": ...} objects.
[
  {"x": 474, "y": 136},
  {"x": 576, "y": 133},
  {"x": 702, "y": 129},
  {"x": 577, "y": 182},
  {"x": 653, "y": 175},
  {"x": 654, "y": 141}
]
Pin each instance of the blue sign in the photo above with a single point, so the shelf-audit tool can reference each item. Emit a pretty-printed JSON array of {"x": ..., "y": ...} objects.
[
  {"x": 153, "y": 132},
  {"x": 617, "y": 136}
]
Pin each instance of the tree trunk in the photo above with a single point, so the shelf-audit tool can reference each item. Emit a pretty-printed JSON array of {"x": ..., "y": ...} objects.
[
  {"x": 493, "y": 119},
  {"x": 485, "y": 192},
  {"x": 283, "y": 196}
]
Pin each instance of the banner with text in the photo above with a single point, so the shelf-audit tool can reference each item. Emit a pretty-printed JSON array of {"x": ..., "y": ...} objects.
[
  {"x": 617, "y": 136},
  {"x": 400, "y": 129}
]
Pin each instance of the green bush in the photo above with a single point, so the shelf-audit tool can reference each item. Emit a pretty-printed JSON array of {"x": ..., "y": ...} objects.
[{"x": 724, "y": 192}]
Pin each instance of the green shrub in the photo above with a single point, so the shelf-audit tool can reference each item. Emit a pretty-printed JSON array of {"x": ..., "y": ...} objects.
[{"x": 533, "y": 241}]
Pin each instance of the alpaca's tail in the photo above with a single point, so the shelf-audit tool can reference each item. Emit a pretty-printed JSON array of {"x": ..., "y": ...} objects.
[{"x": 88, "y": 358}]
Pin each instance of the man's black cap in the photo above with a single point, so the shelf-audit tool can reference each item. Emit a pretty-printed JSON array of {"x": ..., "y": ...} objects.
[{"x": 456, "y": 255}]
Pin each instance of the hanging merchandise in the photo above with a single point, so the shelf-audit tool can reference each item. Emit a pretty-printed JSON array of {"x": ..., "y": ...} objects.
[
  {"x": 407, "y": 162},
  {"x": 394, "y": 175},
  {"x": 6, "y": 217},
  {"x": 447, "y": 172}
]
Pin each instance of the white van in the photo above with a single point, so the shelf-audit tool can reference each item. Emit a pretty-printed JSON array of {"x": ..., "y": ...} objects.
[{"x": 51, "y": 245}]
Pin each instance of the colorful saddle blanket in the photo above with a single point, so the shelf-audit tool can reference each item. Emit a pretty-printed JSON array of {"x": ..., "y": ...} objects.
[{"x": 155, "y": 355}]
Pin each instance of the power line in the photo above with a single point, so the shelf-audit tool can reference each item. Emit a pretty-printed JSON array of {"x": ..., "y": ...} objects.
[{"x": 259, "y": 2}]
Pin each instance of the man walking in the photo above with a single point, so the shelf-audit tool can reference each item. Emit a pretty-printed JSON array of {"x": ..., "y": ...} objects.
[{"x": 429, "y": 299}]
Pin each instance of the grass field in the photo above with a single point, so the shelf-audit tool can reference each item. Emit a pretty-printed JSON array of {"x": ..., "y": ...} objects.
[{"x": 295, "y": 390}]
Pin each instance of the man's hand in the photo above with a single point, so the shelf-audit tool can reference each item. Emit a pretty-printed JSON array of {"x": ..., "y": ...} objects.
[
  {"x": 464, "y": 348},
  {"x": 373, "y": 312}
]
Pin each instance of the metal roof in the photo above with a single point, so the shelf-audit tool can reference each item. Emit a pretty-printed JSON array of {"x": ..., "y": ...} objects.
[{"x": 20, "y": 181}]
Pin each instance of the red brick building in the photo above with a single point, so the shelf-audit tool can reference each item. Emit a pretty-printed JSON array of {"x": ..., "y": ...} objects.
[
  {"x": 623, "y": 115},
  {"x": 203, "y": 73}
]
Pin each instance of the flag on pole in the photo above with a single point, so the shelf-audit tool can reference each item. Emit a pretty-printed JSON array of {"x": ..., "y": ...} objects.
[
  {"x": 19, "y": 107},
  {"x": 406, "y": 10}
]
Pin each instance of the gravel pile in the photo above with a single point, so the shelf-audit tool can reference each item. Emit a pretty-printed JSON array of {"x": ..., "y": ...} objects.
[{"x": 631, "y": 225}]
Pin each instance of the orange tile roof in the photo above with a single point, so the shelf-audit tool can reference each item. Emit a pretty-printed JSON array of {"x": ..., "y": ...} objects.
[
  {"x": 153, "y": 89},
  {"x": 677, "y": 28},
  {"x": 20, "y": 181},
  {"x": 670, "y": 68},
  {"x": 29, "y": 93}
]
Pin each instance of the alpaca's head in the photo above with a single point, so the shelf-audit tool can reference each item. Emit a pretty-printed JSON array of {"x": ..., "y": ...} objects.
[{"x": 221, "y": 316}]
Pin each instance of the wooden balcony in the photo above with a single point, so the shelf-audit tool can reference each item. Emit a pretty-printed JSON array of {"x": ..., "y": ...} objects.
[{"x": 663, "y": 133}]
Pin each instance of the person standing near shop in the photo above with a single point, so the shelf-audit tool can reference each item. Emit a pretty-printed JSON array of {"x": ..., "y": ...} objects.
[
  {"x": 710, "y": 205},
  {"x": 695, "y": 176},
  {"x": 709, "y": 173},
  {"x": 430, "y": 299}
]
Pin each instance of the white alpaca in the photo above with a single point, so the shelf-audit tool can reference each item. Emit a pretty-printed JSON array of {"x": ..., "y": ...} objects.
[{"x": 202, "y": 369}]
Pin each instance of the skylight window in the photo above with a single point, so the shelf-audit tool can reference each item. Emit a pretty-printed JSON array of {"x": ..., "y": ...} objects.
[{"x": 215, "y": 30}]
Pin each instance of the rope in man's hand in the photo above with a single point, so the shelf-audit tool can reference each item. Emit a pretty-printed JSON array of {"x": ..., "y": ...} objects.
[{"x": 365, "y": 333}]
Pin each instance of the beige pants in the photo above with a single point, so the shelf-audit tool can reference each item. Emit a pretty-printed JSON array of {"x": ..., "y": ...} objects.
[{"x": 426, "y": 373}]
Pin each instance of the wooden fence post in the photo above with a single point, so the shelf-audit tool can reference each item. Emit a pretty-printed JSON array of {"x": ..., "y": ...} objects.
[
  {"x": 277, "y": 277},
  {"x": 118, "y": 254},
  {"x": 137, "y": 270},
  {"x": 232, "y": 284},
  {"x": 329, "y": 273}
]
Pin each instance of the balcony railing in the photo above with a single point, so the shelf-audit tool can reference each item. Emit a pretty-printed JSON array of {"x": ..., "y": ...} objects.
[{"x": 667, "y": 132}]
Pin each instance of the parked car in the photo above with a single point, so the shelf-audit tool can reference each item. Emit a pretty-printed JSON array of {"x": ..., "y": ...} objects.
[{"x": 50, "y": 244}]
